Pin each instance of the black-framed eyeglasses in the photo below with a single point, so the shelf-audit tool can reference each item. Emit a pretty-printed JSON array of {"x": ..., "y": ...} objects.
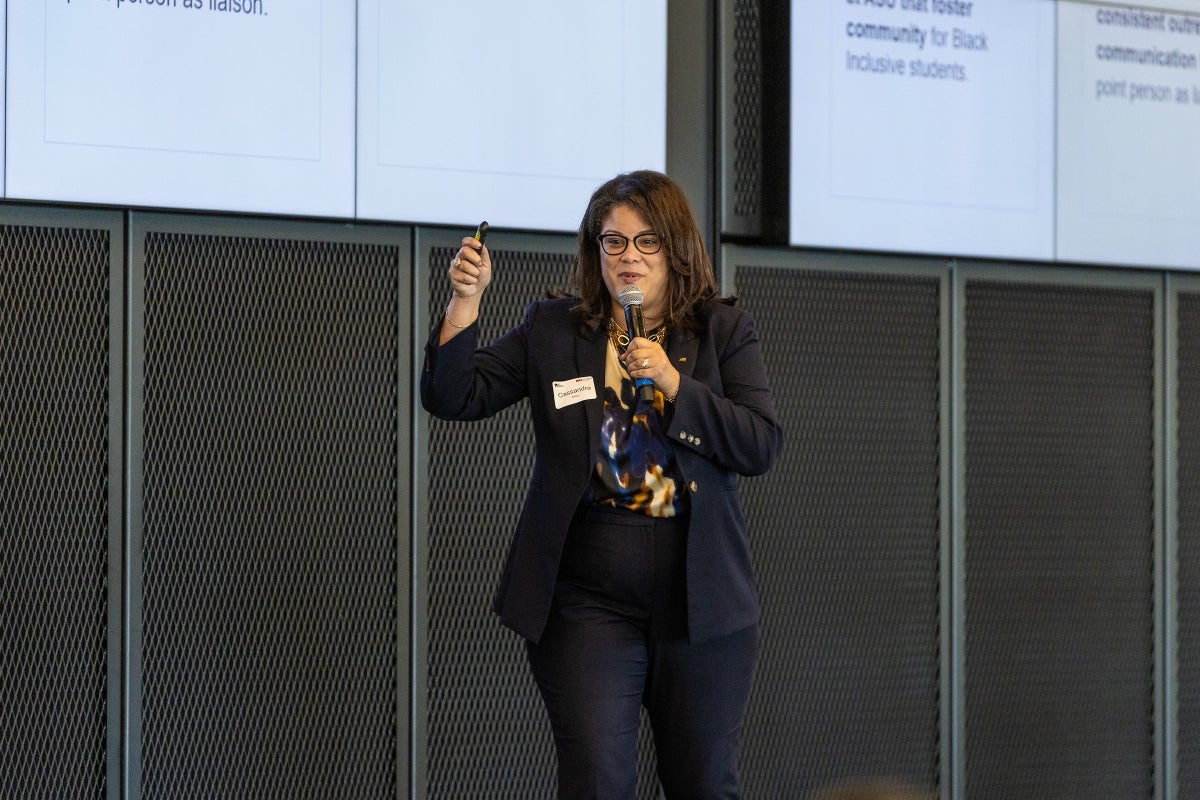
[{"x": 615, "y": 243}]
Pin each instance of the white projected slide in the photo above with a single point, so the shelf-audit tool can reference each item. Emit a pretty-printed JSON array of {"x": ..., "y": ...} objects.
[
  {"x": 923, "y": 126},
  {"x": 510, "y": 112},
  {"x": 240, "y": 105},
  {"x": 3, "y": 82},
  {"x": 1129, "y": 134}
]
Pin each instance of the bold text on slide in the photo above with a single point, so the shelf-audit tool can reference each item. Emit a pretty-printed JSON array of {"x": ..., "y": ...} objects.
[
  {"x": 948, "y": 31},
  {"x": 1173, "y": 55}
]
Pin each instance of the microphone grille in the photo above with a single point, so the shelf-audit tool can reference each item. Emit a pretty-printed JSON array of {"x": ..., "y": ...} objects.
[{"x": 631, "y": 295}]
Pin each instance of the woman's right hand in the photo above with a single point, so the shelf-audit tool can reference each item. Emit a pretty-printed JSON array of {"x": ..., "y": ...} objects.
[
  {"x": 470, "y": 273},
  {"x": 470, "y": 269}
]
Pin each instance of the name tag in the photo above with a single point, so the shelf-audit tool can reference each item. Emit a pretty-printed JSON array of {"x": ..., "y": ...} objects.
[{"x": 574, "y": 391}]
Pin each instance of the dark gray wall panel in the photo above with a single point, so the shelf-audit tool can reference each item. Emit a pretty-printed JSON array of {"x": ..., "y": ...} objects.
[
  {"x": 56, "y": 504},
  {"x": 1060, "y": 521},
  {"x": 740, "y": 43},
  {"x": 1187, "y": 568},
  {"x": 846, "y": 531},
  {"x": 270, "y": 563}
]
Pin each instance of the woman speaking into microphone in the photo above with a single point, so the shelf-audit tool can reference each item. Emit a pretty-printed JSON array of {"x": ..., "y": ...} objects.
[{"x": 629, "y": 572}]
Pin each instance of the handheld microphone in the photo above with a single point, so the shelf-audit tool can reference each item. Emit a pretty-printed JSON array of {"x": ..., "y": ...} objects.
[{"x": 630, "y": 299}]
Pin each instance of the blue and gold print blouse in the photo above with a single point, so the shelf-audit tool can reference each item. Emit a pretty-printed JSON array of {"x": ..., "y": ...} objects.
[{"x": 635, "y": 467}]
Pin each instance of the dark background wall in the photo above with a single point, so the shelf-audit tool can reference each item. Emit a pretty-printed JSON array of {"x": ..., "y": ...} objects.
[{"x": 237, "y": 560}]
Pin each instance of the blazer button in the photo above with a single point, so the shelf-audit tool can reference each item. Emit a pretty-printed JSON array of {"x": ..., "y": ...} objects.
[
  {"x": 683, "y": 434},
  {"x": 693, "y": 487}
]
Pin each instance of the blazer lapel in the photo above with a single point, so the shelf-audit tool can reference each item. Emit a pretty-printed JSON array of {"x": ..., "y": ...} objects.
[
  {"x": 682, "y": 347},
  {"x": 590, "y": 357}
]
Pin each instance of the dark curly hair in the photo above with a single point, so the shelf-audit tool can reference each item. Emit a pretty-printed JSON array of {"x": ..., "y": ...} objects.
[{"x": 661, "y": 202}]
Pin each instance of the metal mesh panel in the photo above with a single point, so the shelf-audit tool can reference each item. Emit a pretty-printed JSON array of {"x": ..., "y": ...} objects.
[
  {"x": 1059, "y": 542},
  {"x": 54, "y": 324},
  {"x": 270, "y": 519},
  {"x": 487, "y": 727},
  {"x": 1188, "y": 553},
  {"x": 845, "y": 529},
  {"x": 747, "y": 109}
]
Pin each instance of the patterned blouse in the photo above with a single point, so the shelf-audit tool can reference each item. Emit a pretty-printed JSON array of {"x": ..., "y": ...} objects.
[{"x": 635, "y": 467}]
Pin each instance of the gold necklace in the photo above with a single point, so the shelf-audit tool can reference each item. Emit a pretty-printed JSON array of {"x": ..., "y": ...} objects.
[{"x": 621, "y": 339}]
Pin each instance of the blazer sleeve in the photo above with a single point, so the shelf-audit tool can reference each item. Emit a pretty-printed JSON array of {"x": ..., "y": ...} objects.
[
  {"x": 461, "y": 381},
  {"x": 729, "y": 417}
]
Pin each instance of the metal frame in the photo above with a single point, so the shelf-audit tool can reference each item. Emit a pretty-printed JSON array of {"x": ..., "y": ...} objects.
[
  {"x": 691, "y": 154},
  {"x": 1081, "y": 277},
  {"x": 1168, "y": 597},
  {"x": 949, "y": 567},
  {"x": 138, "y": 226},
  {"x": 125, "y": 426},
  {"x": 954, "y": 274},
  {"x": 110, "y": 221},
  {"x": 727, "y": 109}
]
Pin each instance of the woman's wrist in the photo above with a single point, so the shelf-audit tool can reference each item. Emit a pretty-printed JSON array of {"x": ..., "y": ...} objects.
[
  {"x": 670, "y": 396},
  {"x": 461, "y": 314}
]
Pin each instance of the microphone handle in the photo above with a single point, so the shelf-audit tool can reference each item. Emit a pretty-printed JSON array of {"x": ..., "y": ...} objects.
[{"x": 636, "y": 326}]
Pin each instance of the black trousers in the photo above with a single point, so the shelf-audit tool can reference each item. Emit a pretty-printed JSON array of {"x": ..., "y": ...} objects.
[{"x": 617, "y": 640}]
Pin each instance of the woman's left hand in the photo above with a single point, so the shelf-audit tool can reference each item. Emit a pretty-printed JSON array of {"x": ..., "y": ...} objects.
[{"x": 646, "y": 359}]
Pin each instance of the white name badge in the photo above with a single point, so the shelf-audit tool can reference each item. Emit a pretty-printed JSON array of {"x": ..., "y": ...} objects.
[{"x": 574, "y": 391}]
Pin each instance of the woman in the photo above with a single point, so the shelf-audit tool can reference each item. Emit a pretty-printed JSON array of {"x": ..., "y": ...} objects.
[{"x": 629, "y": 573}]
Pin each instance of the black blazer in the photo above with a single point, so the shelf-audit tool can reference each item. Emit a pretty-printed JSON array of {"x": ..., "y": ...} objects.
[{"x": 723, "y": 424}]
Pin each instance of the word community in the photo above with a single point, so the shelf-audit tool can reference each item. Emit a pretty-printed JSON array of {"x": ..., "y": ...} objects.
[{"x": 230, "y": 6}]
